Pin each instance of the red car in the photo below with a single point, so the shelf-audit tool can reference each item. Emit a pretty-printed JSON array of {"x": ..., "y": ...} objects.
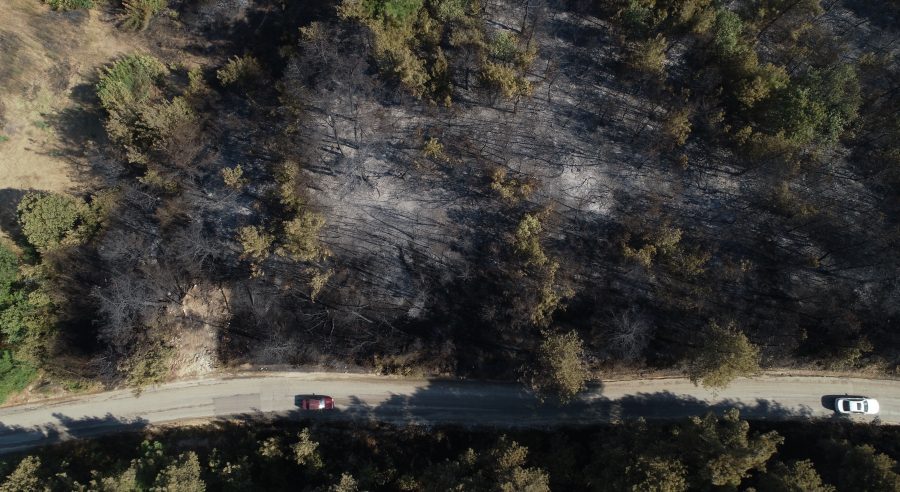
[{"x": 315, "y": 402}]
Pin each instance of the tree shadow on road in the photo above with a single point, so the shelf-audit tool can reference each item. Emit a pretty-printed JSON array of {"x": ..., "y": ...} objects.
[
  {"x": 15, "y": 438},
  {"x": 511, "y": 405}
]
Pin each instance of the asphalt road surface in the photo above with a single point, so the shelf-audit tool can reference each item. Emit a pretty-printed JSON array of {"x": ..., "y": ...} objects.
[{"x": 429, "y": 402}]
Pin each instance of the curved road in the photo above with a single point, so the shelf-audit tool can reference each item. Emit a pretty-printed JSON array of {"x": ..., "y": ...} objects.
[{"x": 428, "y": 401}]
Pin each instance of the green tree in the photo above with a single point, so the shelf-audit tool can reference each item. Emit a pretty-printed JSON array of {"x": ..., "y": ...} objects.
[
  {"x": 723, "y": 451},
  {"x": 727, "y": 31},
  {"x": 132, "y": 80},
  {"x": 678, "y": 126},
  {"x": 505, "y": 79},
  {"x": 509, "y": 458},
  {"x": 242, "y": 71},
  {"x": 819, "y": 106},
  {"x": 865, "y": 469},
  {"x": 270, "y": 448},
  {"x": 801, "y": 476},
  {"x": 649, "y": 56},
  {"x": 126, "y": 481},
  {"x": 767, "y": 80},
  {"x": 25, "y": 478},
  {"x": 52, "y": 220},
  {"x": 181, "y": 476},
  {"x": 140, "y": 118},
  {"x": 723, "y": 355},
  {"x": 150, "y": 363},
  {"x": 301, "y": 237},
  {"x": 234, "y": 177},
  {"x": 561, "y": 371},
  {"x": 49, "y": 220},
  {"x": 654, "y": 474},
  {"x": 346, "y": 484},
  {"x": 256, "y": 244},
  {"x": 28, "y": 324},
  {"x": 527, "y": 241},
  {"x": 306, "y": 451},
  {"x": 9, "y": 274}
]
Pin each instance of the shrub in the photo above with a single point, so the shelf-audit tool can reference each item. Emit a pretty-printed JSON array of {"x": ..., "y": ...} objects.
[
  {"x": 528, "y": 240},
  {"x": 396, "y": 57},
  {"x": 510, "y": 189},
  {"x": 649, "y": 56},
  {"x": 125, "y": 90},
  {"x": 289, "y": 185},
  {"x": 140, "y": 119},
  {"x": 434, "y": 149},
  {"x": 241, "y": 70},
  {"x": 149, "y": 364},
  {"x": 69, "y": 4},
  {"x": 138, "y": 13},
  {"x": 450, "y": 10},
  {"x": 129, "y": 81},
  {"x": 301, "y": 237},
  {"x": 234, "y": 177},
  {"x": 255, "y": 242},
  {"x": 505, "y": 47},
  {"x": 678, "y": 126},
  {"x": 506, "y": 79},
  {"x": 318, "y": 282},
  {"x": 161, "y": 121}
]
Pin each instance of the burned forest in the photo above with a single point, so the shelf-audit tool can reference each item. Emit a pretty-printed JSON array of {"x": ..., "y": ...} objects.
[{"x": 533, "y": 190}]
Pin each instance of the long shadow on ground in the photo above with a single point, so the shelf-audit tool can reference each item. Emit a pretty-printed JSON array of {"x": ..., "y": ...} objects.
[{"x": 16, "y": 438}]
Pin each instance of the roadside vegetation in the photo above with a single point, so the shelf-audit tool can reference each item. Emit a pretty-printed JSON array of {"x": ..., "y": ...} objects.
[
  {"x": 531, "y": 190},
  {"x": 703, "y": 453}
]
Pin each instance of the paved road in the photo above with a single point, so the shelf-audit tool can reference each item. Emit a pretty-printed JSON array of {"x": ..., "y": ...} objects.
[{"x": 422, "y": 401}]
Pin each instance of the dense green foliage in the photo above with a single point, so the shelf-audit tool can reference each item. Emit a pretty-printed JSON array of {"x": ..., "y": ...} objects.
[
  {"x": 14, "y": 375},
  {"x": 15, "y": 318},
  {"x": 26, "y": 320},
  {"x": 50, "y": 221},
  {"x": 9, "y": 273},
  {"x": 699, "y": 454}
]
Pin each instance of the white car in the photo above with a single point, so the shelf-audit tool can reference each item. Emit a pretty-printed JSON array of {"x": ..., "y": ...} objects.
[{"x": 868, "y": 406}]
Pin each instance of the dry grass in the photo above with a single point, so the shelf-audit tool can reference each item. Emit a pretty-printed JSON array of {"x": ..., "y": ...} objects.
[{"x": 44, "y": 56}]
